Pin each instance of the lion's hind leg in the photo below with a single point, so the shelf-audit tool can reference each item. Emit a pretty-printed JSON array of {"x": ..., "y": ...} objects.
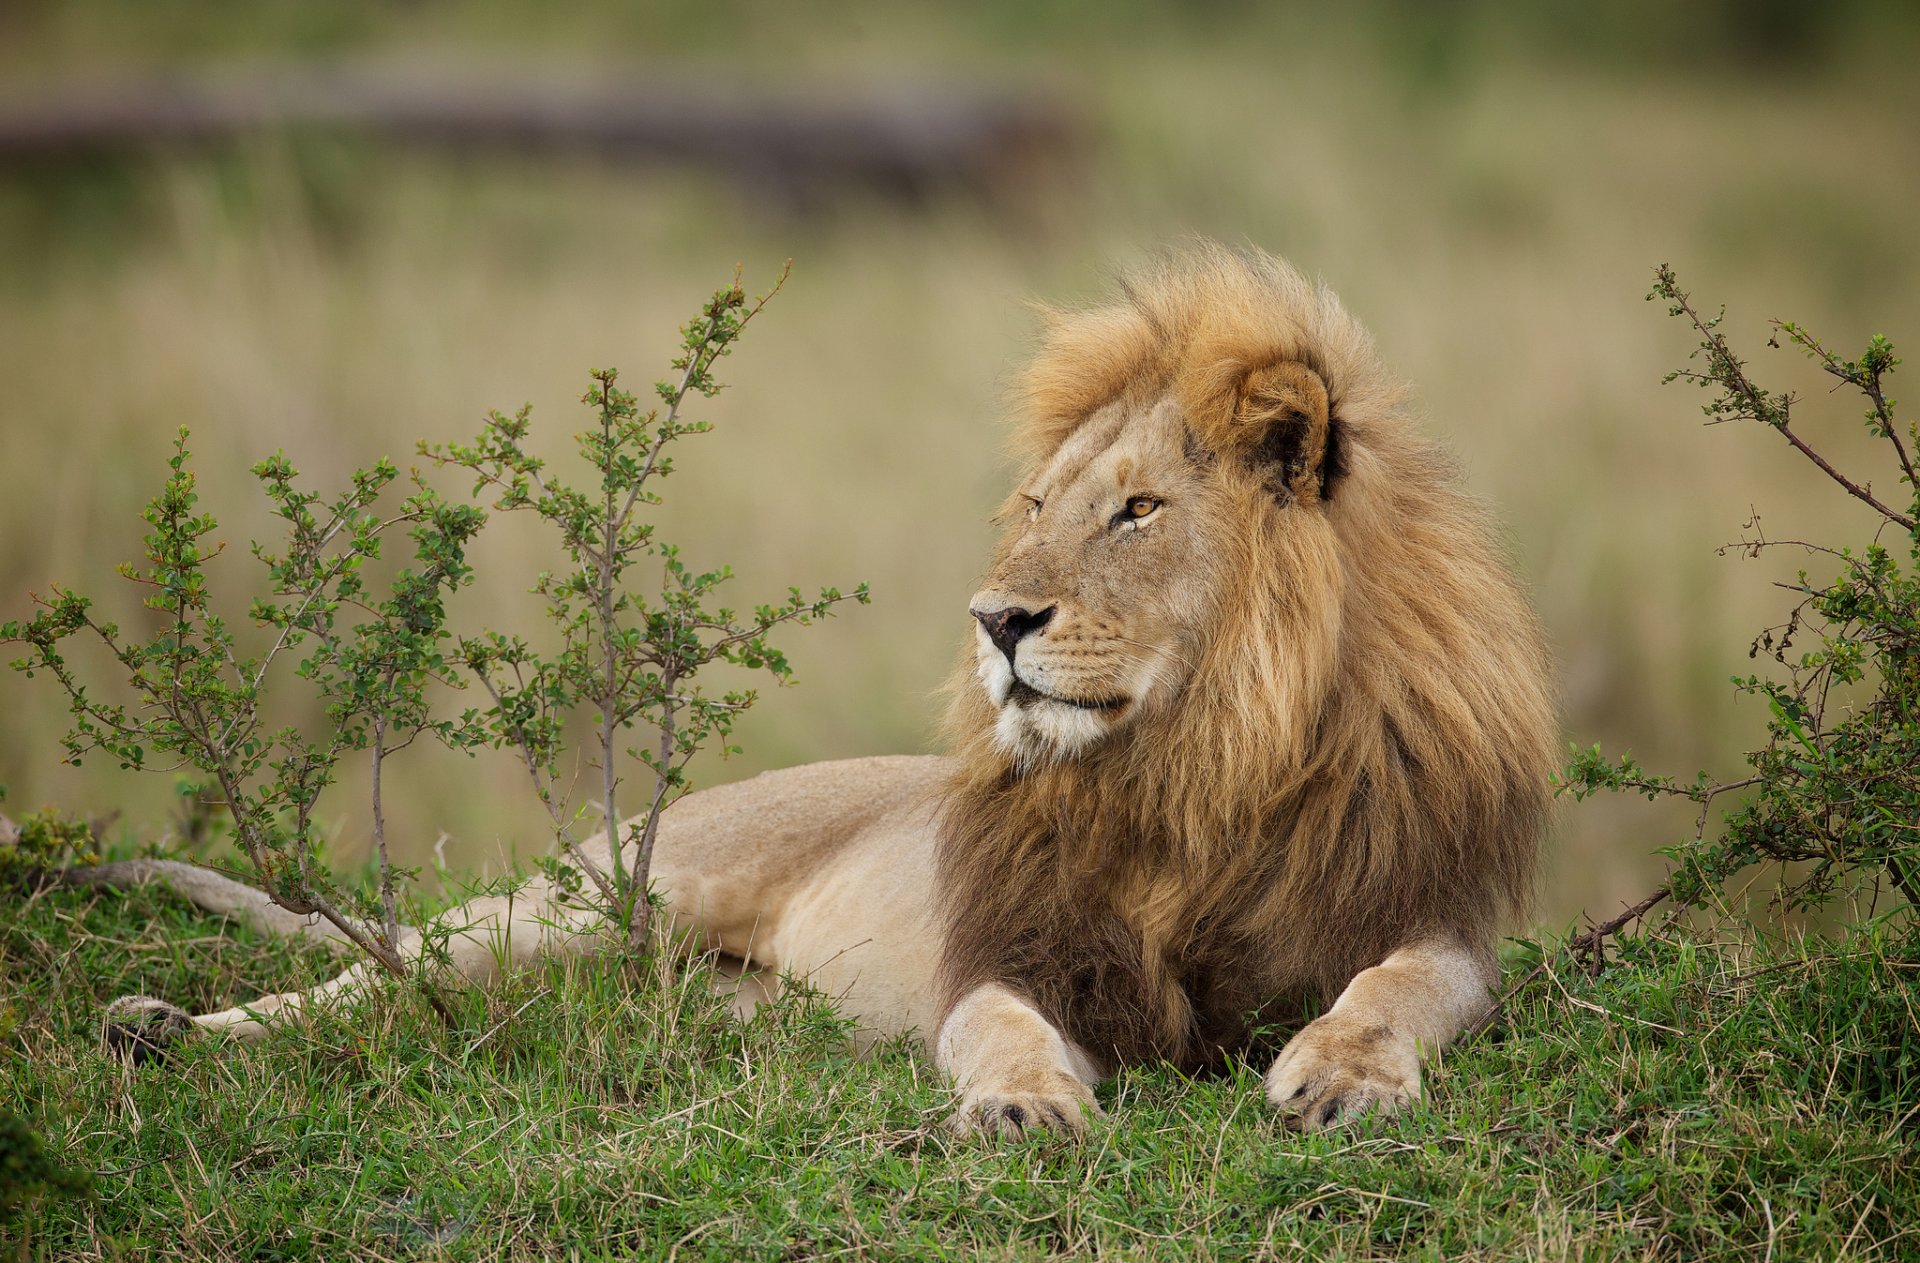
[
  {"x": 142, "y": 1028},
  {"x": 471, "y": 944}
]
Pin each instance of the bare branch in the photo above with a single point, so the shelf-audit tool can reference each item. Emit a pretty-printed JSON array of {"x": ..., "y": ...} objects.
[{"x": 1760, "y": 407}]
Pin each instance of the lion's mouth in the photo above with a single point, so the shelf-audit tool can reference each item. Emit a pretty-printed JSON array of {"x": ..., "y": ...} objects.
[{"x": 1024, "y": 694}]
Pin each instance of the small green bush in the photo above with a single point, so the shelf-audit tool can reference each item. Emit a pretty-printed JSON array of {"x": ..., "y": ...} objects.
[
  {"x": 378, "y": 655},
  {"x": 1831, "y": 798},
  {"x": 45, "y": 841}
]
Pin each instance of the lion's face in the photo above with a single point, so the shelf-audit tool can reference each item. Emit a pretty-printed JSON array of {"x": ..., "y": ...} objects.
[{"x": 1090, "y": 616}]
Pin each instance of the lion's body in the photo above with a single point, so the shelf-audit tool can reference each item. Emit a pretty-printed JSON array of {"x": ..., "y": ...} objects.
[
  {"x": 823, "y": 873},
  {"x": 1262, "y": 726}
]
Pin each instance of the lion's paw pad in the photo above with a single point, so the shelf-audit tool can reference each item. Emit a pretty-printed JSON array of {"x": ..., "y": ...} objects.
[{"x": 141, "y": 1029}]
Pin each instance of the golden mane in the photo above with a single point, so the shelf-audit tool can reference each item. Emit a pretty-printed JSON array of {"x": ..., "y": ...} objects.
[{"x": 1361, "y": 756}]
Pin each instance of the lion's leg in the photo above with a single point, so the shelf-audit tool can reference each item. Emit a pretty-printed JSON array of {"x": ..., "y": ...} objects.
[
  {"x": 1016, "y": 1072},
  {"x": 480, "y": 939},
  {"x": 143, "y": 1027},
  {"x": 731, "y": 863},
  {"x": 712, "y": 906},
  {"x": 1364, "y": 1053}
]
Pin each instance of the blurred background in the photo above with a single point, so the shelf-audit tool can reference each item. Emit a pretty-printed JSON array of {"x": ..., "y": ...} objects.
[{"x": 335, "y": 229}]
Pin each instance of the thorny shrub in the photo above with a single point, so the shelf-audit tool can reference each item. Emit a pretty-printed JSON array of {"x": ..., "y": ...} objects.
[
  {"x": 381, "y": 657},
  {"x": 1831, "y": 798}
]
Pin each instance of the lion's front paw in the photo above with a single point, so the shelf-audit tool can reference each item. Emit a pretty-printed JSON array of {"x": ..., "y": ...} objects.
[
  {"x": 142, "y": 1029},
  {"x": 1340, "y": 1068},
  {"x": 1062, "y": 1104}
]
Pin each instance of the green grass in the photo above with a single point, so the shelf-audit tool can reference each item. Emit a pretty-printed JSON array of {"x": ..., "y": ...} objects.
[{"x": 1698, "y": 1100}]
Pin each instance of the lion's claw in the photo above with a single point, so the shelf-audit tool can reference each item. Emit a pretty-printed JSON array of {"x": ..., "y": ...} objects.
[
  {"x": 1339, "y": 1069},
  {"x": 1010, "y": 1115},
  {"x": 141, "y": 1029}
]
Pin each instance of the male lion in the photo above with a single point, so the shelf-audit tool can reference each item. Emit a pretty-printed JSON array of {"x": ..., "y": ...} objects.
[{"x": 1259, "y": 722}]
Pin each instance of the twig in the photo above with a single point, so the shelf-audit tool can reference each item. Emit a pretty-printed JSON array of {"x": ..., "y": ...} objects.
[
  {"x": 1592, "y": 944},
  {"x": 492, "y": 1030},
  {"x": 1864, "y": 377},
  {"x": 1758, "y": 406},
  {"x": 561, "y": 832}
]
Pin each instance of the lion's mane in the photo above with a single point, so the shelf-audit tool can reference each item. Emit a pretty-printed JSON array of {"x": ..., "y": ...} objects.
[{"x": 1360, "y": 759}]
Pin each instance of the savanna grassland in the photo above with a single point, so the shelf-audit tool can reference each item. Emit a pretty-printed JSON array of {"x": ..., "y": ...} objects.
[
  {"x": 1491, "y": 206},
  {"x": 1488, "y": 190}
]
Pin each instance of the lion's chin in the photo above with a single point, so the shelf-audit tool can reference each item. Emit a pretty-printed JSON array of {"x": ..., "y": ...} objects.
[
  {"x": 1034, "y": 727},
  {"x": 1041, "y": 729}
]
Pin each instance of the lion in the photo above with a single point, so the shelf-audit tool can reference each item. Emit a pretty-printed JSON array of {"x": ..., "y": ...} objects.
[{"x": 1253, "y": 735}]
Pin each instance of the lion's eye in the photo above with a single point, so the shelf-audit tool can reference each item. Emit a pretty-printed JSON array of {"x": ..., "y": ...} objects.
[
  {"x": 1033, "y": 507},
  {"x": 1139, "y": 507}
]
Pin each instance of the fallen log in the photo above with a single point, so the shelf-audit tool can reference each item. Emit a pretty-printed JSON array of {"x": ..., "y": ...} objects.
[{"x": 904, "y": 142}]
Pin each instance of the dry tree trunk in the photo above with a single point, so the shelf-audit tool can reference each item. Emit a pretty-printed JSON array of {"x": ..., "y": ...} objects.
[{"x": 903, "y": 143}]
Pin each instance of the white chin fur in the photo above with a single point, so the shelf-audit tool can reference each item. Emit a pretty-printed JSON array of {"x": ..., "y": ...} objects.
[
  {"x": 1044, "y": 730},
  {"x": 1034, "y": 733}
]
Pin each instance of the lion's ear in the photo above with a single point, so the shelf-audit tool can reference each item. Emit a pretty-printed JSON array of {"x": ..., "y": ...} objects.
[{"x": 1282, "y": 426}]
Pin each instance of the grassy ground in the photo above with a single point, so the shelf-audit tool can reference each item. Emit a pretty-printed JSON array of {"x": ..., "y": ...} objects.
[{"x": 1698, "y": 1100}]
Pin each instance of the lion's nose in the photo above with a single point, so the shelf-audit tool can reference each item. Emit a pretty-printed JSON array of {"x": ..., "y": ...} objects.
[{"x": 1007, "y": 628}]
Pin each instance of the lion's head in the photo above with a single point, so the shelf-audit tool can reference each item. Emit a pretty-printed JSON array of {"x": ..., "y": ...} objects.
[
  {"x": 1155, "y": 505},
  {"x": 1176, "y": 524},
  {"x": 1246, "y": 662}
]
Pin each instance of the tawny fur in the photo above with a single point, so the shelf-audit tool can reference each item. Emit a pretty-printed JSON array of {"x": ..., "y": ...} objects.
[{"x": 1360, "y": 758}]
